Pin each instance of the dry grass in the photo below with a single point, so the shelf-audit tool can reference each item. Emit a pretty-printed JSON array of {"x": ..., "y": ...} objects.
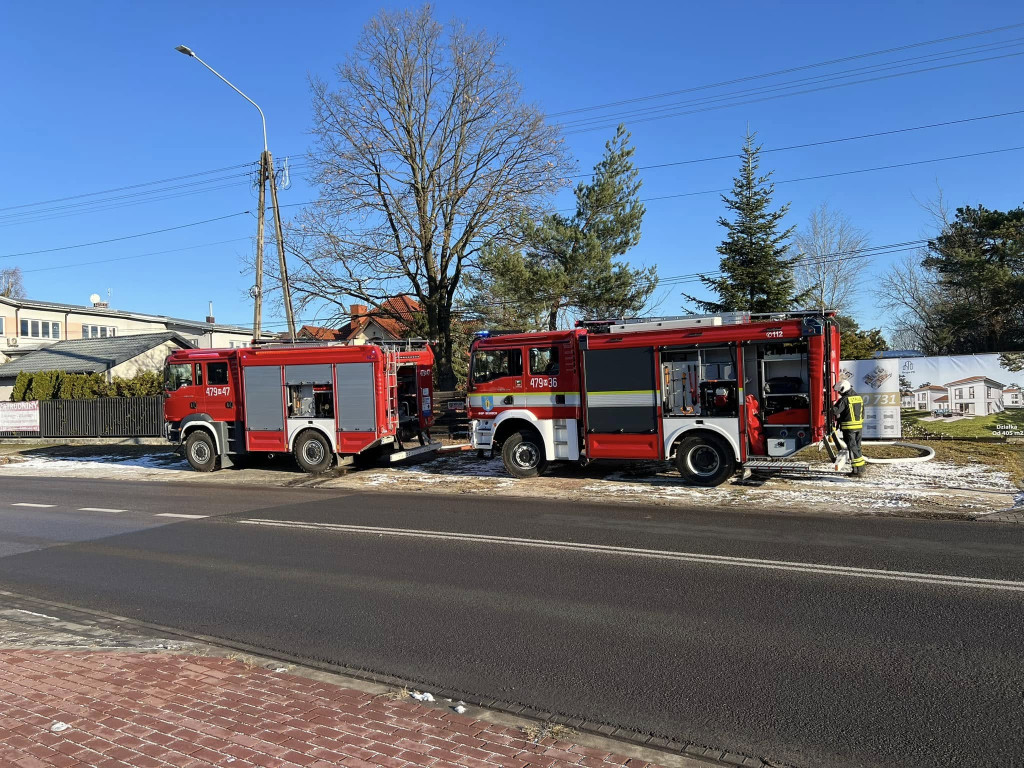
[
  {"x": 537, "y": 733},
  {"x": 1001, "y": 457}
]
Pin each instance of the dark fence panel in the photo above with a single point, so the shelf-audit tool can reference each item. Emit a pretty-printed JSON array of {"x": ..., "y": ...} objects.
[
  {"x": 106, "y": 417},
  {"x": 68, "y": 418},
  {"x": 130, "y": 417}
]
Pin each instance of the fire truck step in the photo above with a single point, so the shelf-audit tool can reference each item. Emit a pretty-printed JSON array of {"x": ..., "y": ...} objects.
[
  {"x": 410, "y": 452},
  {"x": 792, "y": 467}
]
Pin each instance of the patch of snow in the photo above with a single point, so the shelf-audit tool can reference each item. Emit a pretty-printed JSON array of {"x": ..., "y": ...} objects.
[
  {"x": 422, "y": 696},
  {"x": 40, "y": 615},
  {"x": 58, "y": 726}
]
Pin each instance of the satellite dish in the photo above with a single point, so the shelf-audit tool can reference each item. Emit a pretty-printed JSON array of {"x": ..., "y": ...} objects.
[{"x": 95, "y": 298}]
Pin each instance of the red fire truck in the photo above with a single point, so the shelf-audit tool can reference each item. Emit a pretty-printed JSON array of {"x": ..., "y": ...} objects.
[
  {"x": 712, "y": 393},
  {"x": 317, "y": 402}
]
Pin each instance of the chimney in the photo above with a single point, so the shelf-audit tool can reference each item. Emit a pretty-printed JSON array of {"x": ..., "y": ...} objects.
[
  {"x": 357, "y": 311},
  {"x": 209, "y": 315}
]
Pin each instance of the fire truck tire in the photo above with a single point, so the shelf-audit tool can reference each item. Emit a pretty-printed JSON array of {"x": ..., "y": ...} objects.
[
  {"x": 705, "y": 460},
  {"x": 200, "y": 451},
  {"x": 523, "y": 454},
  {"x": 313, "y": 453}
]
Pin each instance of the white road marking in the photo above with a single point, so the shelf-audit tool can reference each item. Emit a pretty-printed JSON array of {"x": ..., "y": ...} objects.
[
  {"x": 177, "y": 514},
  {"x": 100, "y": 509},
  {"x": 659, "y": 554},
  {"x": 27, "y": 504}
]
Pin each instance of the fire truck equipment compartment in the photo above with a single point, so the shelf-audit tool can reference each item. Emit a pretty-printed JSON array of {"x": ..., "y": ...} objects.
[
  {"x": 264, "y": 405},
  {"x": 355, "y": 397},
  {"x": 621, "y": 390}
]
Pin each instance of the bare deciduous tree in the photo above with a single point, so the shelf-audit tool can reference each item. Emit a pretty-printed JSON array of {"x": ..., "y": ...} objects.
[
  {"x": 828, "y": 271},
  {"x": 425, "y": 152},
  {"x": 12, "y": 285},
  {"x": 911, "y": 293}
]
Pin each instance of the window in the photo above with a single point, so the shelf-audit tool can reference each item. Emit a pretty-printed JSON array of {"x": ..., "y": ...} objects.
[
  {"x": 97, "y": 331},
  {"x": 491, "y": 364},
  {"x": 970, "y": 393},
  {"x": 959, "y": 394},
  {"x": 216, "y": 374},
  {"x": 39, "y": 329},
  {"x": 199, "y": 374},
  {"x": 544, "y": 361},
  {"x": 178, "y": 375},
  {"x": 1, "y": 326}
]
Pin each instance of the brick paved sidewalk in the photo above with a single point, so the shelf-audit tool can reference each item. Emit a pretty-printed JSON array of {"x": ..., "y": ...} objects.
[{"x": 156, "y": 709}]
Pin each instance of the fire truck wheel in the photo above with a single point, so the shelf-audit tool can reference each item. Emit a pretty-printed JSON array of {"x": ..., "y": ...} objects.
[
  {"x": 705, "y": 460},
  {"x": 313, "y": 453},
  {"x": 523, "y": 454},
  {"x": 200, "y": 451}
]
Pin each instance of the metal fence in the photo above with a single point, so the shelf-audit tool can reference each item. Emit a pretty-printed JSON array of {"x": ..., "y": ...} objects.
[{"x": 105, "y": 417}]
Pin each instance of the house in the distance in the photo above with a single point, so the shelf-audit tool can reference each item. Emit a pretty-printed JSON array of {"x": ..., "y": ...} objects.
[
  {"x": 121, "y": 356},
  {"x": 1013, "y": 397},
  {"x": 396, "y": 319},
  {"x": 975, "y": 396},
  {"x": 27, "y": 325},
  {"x": 925, "y": 397}
]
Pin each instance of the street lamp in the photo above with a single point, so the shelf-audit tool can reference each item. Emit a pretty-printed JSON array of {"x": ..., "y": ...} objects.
[{"x": 266, "y": 174}]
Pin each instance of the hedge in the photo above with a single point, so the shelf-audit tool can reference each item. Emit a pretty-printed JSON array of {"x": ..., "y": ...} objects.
[{"x": 57, "y": 385}]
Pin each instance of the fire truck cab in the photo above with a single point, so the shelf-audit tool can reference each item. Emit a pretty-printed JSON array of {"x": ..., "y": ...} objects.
[
  {"x": 712, "y": 393},
  {"x": 317, "y": 402}
]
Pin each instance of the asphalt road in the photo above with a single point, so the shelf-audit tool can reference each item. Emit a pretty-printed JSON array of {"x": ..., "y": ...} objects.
[{"x": 811, "y": 641}]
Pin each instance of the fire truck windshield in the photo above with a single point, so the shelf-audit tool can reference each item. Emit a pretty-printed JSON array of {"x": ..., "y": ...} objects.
[
  {"x": 490, "y": 364},
  {"x": 177, "y": 375}
]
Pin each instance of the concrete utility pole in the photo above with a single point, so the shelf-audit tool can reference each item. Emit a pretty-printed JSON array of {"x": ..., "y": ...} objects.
[{"x": 266, "y": 174}]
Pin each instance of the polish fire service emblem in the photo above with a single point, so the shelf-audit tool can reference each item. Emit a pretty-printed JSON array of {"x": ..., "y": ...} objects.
[{"x": 488, "y": 403}]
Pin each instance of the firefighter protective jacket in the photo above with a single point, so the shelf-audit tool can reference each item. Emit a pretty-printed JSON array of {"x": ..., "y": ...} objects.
[{"x": 849, "y": 409}]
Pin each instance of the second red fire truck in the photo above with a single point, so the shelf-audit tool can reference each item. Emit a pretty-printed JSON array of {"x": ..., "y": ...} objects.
[
  {"x": 318, "y": 402},
  {"x": 711, "y": 393}
]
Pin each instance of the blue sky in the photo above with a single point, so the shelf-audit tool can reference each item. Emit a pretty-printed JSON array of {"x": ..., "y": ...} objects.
[{"x": 96, "y": 98}]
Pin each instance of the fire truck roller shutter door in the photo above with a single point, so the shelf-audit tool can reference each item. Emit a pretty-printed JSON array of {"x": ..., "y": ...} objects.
[
  {"x": 264, "y": 399},
  {"x": 355, "y": 397}
]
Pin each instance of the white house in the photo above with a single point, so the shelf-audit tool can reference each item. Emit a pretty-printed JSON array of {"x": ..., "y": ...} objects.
[
  {"x": 925, "y": 397},
  {"x": 26, "y": 325},
  {"x": 977, "y": 396},
  {"x": 1013, "y": 397}
]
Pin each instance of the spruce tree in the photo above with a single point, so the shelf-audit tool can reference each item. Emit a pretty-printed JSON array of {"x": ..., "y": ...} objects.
[
  {"x": 571, "y": 262},
  {"x": 757, "y": 270}
]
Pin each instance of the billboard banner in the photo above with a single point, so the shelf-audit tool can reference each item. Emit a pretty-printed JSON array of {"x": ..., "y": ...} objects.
[
  {"x": 878, "y": 382},
  {"x": 965, "y": 395},
  {"x": 19, "y": 417}
]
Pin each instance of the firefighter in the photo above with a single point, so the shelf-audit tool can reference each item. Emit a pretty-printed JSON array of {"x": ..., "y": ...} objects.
[{"x": 849, "y": 410}]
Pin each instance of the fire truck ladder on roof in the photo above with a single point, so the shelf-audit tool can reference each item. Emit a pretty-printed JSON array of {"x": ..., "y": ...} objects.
[{"x": 635, "y": 324}]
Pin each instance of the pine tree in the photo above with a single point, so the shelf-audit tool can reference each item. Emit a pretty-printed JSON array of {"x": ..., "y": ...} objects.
[
  {"x": 570, "y": 263},
  {"x": 757, "y": 271}
]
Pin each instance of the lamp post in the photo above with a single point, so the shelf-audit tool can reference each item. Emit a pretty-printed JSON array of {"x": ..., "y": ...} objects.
[{"x": 266, "y": 174}]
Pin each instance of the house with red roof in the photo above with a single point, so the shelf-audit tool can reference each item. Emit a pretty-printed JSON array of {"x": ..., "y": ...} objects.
[
  {"x": 925, "y": 397},
  {"x": 395, "y": 319},
  {"x": 975, "y": 396}
]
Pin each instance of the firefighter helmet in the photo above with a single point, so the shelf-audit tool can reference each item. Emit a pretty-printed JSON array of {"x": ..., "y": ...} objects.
[{"x": 842, "y": 387}]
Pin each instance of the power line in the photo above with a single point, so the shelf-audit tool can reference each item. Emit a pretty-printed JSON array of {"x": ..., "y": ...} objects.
[
  {"x": 843, "y": 173},
  {"x": 787, "y": 71},
  {"x": 694, "y": 277},
  {"x": 123, "y": 237},
  {"x": 596, "y": 107},
  {"x": 136, "y": 256},
  {"x": 131, "y": 186},
  {"x": 872, "y": 69},
  {"x": 634, "y": 121}
]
